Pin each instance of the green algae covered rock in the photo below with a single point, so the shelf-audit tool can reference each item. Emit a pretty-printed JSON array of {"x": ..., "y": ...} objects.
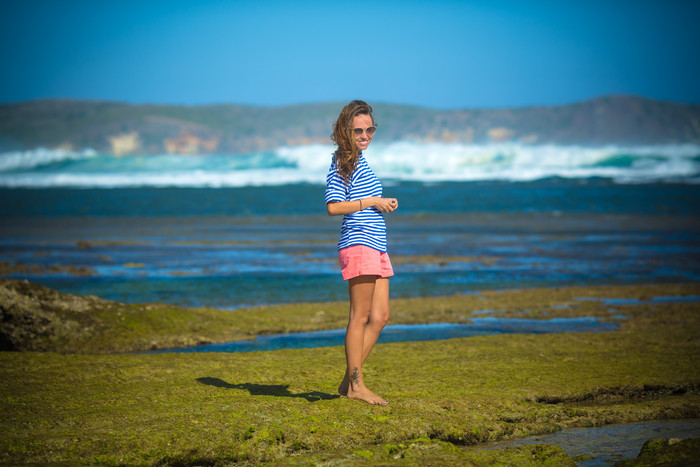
[
  {"x": 34, "y": 317},
  {"x": 446, "y": 397},
  {"x": 423, "y": 451},
  {"x": 667, "y": 452}
]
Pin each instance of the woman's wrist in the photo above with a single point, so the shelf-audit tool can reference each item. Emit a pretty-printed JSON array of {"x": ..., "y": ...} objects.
[{"x": 367, "y": 202}]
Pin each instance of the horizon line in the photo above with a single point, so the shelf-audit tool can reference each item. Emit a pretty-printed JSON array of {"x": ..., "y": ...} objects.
[{"x": 339, "y": 102}]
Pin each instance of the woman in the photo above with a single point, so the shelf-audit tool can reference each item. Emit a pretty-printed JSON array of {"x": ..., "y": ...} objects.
[{"x": 354, "y": 191}]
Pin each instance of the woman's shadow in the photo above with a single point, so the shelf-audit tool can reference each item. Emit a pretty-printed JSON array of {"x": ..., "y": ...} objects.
[{"x": 277, "y": 390}]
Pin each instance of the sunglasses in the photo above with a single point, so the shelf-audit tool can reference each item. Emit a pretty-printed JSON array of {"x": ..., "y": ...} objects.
[{"x": 370, "y": 131}]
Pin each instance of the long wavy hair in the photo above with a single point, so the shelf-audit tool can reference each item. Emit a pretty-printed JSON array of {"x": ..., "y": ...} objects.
[{"x": 348, "y": 154}]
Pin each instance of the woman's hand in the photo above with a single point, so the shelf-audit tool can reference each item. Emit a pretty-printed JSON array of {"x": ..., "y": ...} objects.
[{"x": 386, "y": 204}]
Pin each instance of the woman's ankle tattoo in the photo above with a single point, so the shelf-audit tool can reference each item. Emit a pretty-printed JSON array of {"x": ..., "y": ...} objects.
[{"x": 355, "y": 376}]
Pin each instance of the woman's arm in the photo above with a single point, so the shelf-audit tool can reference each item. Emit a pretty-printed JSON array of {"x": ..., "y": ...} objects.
[{"x": 348, "y": 207}]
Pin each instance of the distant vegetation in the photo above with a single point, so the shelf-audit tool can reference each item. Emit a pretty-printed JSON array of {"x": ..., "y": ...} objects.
[{"x": 119, "y": 128}]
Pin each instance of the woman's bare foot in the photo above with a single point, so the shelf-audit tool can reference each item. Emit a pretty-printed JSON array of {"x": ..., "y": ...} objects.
[
  {"x": 366, "y": 395},
  {"x": 356, "y": 389}
]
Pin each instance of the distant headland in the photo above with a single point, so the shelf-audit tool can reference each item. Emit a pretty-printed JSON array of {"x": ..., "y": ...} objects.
[{"x": 123, "y": 129}]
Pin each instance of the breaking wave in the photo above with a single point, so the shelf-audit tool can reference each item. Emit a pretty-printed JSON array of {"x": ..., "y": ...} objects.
[
  {"x": 27, "y": 160},
  {"x": 400, "y": 161}
]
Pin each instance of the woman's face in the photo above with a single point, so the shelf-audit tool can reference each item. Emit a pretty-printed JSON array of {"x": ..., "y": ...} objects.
[{"x": 362, "y": 122}]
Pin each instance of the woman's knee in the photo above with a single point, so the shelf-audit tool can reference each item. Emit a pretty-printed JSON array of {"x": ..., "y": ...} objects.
[
  {"x": 359, "y": 318},
  {"x": 380, "y": 317}
]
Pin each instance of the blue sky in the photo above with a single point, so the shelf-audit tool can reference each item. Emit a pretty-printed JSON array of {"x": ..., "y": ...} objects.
[{"x": 437, "y": 54}]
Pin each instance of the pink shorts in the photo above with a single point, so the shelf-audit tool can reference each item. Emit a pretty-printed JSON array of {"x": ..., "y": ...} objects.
[{"x": 360, "y": 260}]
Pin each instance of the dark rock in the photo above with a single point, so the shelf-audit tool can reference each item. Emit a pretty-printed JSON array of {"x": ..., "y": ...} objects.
[{"x": 34, "y": 317}]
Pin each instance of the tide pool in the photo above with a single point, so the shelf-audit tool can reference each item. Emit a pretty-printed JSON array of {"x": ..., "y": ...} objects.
[
  {"x": 410, "y": 332},
  {"x": 605, "y": 445}
]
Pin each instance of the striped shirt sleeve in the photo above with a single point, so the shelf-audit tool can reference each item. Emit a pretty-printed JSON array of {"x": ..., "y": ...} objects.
[{"x": 336, "y": 190}]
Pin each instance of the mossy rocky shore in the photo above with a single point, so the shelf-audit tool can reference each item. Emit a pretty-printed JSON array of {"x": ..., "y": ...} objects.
[{"x": 78, "y": 396}]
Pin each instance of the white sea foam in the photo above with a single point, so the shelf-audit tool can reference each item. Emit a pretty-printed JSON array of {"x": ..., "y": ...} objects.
[
  {"x": 28, "y": 160},
  {"x": 400, "y": 161}
]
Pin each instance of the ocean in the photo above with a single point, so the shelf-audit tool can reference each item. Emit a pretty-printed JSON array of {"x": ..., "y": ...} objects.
[
  {"x": 400, "y": 161},
  {"x": 231, "y": 231}
]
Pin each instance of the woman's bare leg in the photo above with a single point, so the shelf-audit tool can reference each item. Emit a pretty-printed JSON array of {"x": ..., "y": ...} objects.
[
  {"x": 369, "y": 313},
  {"x": 379, "y": 316}
]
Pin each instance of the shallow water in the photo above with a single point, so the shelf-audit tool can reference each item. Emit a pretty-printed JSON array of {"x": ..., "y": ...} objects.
[
  {"x": 235, "y": 247},
  {"x": 411, "y": 332},
  {"x": 611, "y": 443},
  {"x": 667, "y": 299},
  {"x": 235, "y": 262}
]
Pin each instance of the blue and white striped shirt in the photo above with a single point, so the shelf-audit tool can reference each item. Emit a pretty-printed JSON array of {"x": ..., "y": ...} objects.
[{"x": 364, "y": 227}]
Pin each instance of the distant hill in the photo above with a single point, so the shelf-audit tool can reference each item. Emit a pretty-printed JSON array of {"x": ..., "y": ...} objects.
[{"x": 120, "y": 128}]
